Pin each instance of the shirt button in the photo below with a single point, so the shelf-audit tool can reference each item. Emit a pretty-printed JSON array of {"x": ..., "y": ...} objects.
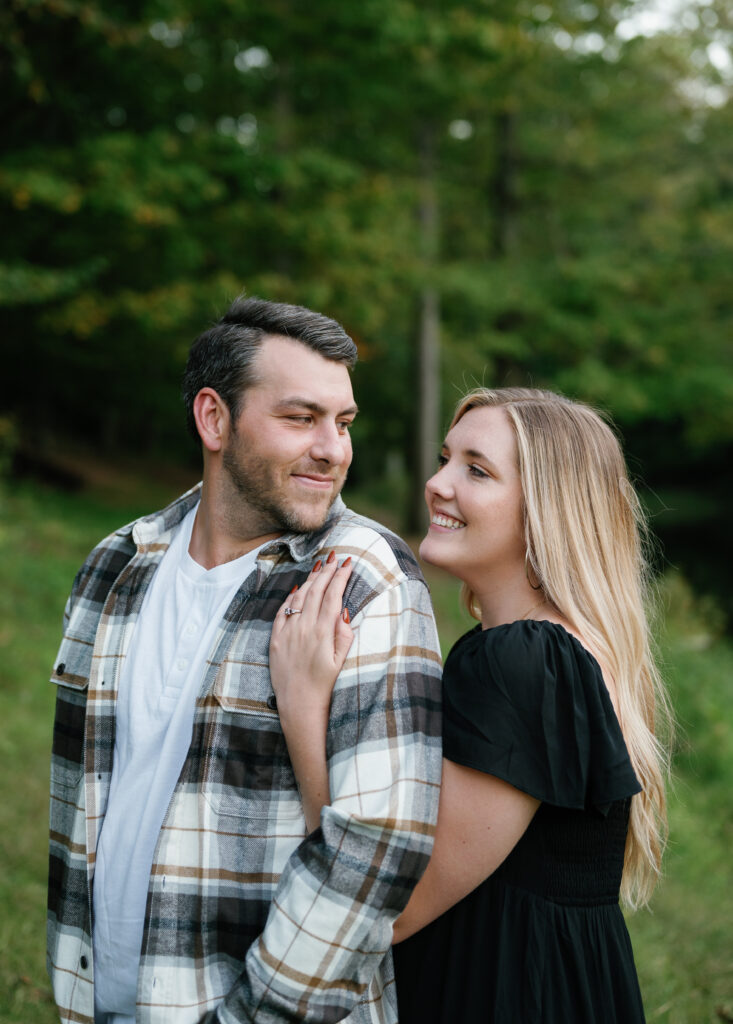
[
  {"x": 181, "y": 664},
  {"x": 272, "y": 702},
  {"x": 83, "y": 963},
  {"x": 60, "y": 669},
  {"x": 190, "y": 630}
]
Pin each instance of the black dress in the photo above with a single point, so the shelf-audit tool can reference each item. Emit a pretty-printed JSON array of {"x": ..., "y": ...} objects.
[{"x": 543, "y": 938}]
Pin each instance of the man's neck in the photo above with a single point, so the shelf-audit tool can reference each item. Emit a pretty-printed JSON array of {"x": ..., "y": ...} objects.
[{"x": 214, "y": 542}]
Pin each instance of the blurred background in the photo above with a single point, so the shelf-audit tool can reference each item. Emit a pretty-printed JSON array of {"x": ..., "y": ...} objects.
[{"x": 482, "y": 192}]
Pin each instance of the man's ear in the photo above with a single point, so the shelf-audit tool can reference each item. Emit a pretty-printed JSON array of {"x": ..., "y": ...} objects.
[{"x": 212, "y": 419}]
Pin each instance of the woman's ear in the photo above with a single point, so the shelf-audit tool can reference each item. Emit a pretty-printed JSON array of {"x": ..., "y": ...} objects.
[{"x": 212, "y": 419}]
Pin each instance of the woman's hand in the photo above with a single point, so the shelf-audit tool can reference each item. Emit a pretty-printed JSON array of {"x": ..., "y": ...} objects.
[{"x": 311, "y": 637}]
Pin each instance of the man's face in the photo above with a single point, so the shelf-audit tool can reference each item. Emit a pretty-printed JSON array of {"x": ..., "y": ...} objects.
[{"x": 289, "y": 450}]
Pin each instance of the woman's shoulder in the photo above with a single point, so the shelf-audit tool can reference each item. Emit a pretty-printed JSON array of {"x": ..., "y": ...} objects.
[
  {"x": 529, "y": 703},
  {"x": 527, "y": 651}
]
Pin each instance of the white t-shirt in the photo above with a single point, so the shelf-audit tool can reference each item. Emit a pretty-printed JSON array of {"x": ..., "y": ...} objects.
[{"x": 159, "y": 684}]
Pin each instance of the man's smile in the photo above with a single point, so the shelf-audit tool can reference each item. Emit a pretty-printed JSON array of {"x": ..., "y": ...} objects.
[{"x": 316, "y": 481}]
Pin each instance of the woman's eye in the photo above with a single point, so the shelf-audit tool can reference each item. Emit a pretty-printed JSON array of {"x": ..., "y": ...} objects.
[
  {"x": 442, "y": 461},
  {"x": 478, "y": 472}
]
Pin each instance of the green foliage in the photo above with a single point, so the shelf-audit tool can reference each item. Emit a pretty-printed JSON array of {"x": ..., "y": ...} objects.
[
  {"x": 23, "y": 283},
  {"x": 8, "y": 445},
  {"x": 584, "y": 203},
  {"x": 693, "y": 627},
  {"x": 162, "y": 157},
  {"x": 683, "y": 944}
]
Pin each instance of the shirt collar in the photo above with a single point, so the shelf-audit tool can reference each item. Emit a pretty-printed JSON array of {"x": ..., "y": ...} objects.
[
  {"x": 151, "y": 529},
  {"x": 302, "y": 546}
]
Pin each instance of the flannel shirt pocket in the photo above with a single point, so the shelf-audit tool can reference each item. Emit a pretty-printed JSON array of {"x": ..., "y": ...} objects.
[
  {"x": 248, "y": 773},
  {"x": 71, "y": 678}
]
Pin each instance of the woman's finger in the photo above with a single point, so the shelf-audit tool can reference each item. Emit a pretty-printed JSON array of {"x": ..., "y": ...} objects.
[
  {"x": 281, "y": 614},
  {"x": 297, "y": 601},
  {"x": 343, "y": 638},
  {"x": 332, "y": 603},
  {"x": 298, "y": 595},
  {"x": 326, "y": 582},
  {"x": 317, "y": 640},
  {"x": 320, "y": 577},
  {"x": 317, "y": 584}
]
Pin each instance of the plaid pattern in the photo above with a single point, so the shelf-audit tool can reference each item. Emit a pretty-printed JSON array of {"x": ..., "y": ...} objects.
[{"x": 246, "y": 919}]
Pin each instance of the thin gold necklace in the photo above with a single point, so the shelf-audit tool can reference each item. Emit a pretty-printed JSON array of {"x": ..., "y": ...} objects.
[{"x": 533, "y": 609}]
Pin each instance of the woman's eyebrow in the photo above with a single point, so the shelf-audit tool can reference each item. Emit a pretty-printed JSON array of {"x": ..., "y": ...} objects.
[{"x": 472, "y": 453}]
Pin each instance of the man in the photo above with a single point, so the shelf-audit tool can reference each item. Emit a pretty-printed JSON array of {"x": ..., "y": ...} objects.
[{"x": 181, "y": 887}]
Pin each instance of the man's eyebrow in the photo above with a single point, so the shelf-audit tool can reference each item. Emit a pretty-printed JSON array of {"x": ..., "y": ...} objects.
[{"x": 314, "y": 407}]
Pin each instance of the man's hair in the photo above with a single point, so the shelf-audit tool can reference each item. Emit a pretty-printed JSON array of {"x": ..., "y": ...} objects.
[
  {"x": 222, "y": 357},
  {"x": 584, "y": 530}
]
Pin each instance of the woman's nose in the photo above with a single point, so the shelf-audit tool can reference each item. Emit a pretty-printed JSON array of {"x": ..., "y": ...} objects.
[{"x": 439, "y": 484}]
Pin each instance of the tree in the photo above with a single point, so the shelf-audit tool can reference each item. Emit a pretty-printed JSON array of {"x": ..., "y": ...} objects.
[{"x": 537, "y": 187}]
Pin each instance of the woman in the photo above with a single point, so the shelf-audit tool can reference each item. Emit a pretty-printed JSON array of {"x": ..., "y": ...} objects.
[{"x": 552, "y": 802}]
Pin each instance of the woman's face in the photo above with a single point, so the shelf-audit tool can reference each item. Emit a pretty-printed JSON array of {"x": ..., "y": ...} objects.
[{"x": 475, "y": 502}]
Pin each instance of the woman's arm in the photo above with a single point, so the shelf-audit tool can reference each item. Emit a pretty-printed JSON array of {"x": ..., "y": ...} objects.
[
  {"x": 480, "y": 820},
  {"x": 305, "y": 735},
  {"x": 307, "y": 652}
]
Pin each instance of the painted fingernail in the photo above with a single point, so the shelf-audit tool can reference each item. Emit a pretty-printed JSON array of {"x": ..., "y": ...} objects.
[
  {"x": 330, "y": 558},
  {"x": 345, "y": 615},
  {"x": 317, "y": 566},
  {"x": 346, "y": 562},
  {"x": 294, "y": 589}
]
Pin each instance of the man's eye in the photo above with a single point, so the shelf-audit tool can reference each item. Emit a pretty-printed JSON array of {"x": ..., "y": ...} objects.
[
  {"x": 344, "y": 426},
  {"x": 300, "y": 419}
]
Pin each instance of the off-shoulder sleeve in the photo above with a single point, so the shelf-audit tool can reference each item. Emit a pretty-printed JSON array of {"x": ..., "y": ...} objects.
[{"x": 527, "y": 703}]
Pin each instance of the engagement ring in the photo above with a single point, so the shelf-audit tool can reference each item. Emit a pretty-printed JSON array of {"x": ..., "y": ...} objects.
[{"x": 293, "y": 611}]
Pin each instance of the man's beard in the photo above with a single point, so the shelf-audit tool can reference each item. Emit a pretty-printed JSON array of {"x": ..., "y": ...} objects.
[{"x": 252, "y": 479}]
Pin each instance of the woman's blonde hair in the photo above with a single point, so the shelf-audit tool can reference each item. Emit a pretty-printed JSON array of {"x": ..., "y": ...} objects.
[{"x": 585, "y": 534}]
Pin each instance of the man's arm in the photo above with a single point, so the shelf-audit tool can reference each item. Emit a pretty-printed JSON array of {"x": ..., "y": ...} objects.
[{"x": 330, "y": 923}]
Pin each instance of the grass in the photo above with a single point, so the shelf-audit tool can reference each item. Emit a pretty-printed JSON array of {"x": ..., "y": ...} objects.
[
  {"x": 683, "y": 944},
  {"x": 44, "y": 536}
]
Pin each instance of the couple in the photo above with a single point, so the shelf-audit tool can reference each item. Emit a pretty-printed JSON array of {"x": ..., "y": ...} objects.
[{"x": 246, "y": 774}]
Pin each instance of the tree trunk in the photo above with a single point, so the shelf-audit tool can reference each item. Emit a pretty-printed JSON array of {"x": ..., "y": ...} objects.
[
  {"x": 503, "y": 185},
  {"x": 283, "y": 139},
  {"x": 428, "y": 341}
]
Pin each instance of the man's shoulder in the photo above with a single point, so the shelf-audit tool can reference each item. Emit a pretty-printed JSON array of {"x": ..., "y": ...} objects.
[
  {"x": 111, "y": 554},
  {"x": 372, "y": 543},
  {"x": 115, "y": 546}
]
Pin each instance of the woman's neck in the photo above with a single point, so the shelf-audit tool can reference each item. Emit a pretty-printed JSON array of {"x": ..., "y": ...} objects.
[{"x": 510, "y": 602}]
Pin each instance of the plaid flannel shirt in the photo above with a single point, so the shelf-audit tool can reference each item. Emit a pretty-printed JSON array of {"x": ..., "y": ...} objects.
[{"x": 246, "y": 919}]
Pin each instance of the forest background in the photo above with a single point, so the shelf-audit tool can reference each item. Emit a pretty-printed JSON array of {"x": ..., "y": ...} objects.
[{"x": 488, "y": 191}]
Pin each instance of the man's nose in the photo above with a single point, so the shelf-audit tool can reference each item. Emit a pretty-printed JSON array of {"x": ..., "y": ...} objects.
[{"x": 331, "y": 445}]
